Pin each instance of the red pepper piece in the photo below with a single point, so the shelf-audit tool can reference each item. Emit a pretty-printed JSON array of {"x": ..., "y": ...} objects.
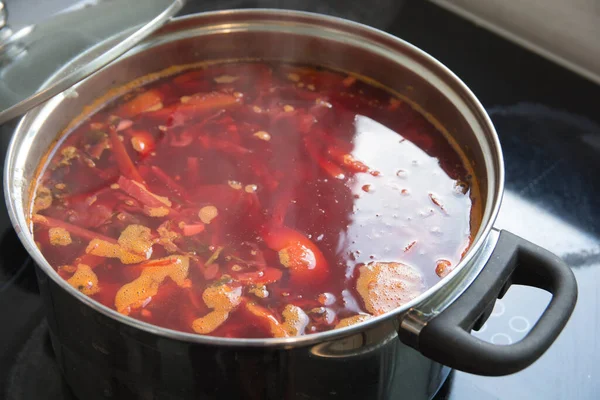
[
  {"x": 159, "y": 263},
  {"x": 332, "y": 169},
  {"x": 140, "y": 103},
  {"x": 306, "y": 262},
  {"x": 126, "y": 165},
  {"x": 210, "y": 272},
  {"x": 192, "y": 229}
]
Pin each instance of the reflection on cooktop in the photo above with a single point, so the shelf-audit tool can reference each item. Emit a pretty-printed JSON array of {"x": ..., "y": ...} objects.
[
  {"x": 36, "y": 359},
  {"x": 551, "y": 159}
]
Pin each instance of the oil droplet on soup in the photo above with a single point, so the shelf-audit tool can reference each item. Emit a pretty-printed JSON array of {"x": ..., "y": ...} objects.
[{"x": 254, "y": 200}]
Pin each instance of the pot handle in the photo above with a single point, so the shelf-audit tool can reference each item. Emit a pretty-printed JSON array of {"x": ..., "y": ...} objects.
[{"x": 446, "y": 338}]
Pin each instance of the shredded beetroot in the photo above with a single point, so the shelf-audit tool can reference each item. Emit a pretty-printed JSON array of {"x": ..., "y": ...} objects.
[
  {"x": 140, "y": 193},
  {"x": 254, "y": 199},
  {"x": 126, "y": 166},
  {"x": 167, "y": 180},
  {"x": 73, "y": 229}
]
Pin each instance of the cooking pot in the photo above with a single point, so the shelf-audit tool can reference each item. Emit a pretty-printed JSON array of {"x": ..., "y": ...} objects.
[{"x": 404, "y": 354}]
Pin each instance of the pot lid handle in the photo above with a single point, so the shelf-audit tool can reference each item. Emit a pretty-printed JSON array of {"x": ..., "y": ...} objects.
[{"x": 88, "y": 35}]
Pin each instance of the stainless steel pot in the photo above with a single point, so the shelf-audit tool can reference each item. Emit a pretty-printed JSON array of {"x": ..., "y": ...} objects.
[{"x": 107, "y": 355}]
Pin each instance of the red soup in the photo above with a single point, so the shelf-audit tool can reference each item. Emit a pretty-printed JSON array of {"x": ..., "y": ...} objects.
[{"x": 254, "y": 200}]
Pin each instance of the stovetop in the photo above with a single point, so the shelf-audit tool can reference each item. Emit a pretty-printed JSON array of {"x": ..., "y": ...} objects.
[{"x": 549, "y": 128}]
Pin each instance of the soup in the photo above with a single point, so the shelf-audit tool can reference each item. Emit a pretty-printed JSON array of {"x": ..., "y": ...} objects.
[{"x": 254, "y": 199}]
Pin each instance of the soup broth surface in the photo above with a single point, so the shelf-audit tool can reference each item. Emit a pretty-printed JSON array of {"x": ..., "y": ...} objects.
[{"x": 254, "y": 199}]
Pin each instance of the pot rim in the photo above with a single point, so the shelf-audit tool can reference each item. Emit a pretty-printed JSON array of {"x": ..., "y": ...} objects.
[{"x": 335, "y": 26}]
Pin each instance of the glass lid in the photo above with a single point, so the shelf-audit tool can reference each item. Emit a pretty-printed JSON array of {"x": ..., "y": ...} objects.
[{"x": 90, "y": 34}]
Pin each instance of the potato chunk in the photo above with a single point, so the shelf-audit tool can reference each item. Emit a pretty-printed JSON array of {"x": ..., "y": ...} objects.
[{"x": 385, "y": 286}]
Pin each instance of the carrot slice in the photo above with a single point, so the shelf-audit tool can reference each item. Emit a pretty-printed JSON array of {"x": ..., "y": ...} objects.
[
  {"x": 332, "y": 169},
  {"x": 346, "y": 160},
  {"x": 196, "y": 106},
  {"x": 211, "y": 101},
  {"x": 191, "y": 230},
  {"x": 159, "y": 262},
  {"x": 140, "y": 103},
  {"x": 223, "y": 145},
  {"x": 73, "y": 229},
  {"x": 126, "y": 165}
]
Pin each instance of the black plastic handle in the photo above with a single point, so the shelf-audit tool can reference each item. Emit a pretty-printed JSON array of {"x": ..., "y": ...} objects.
[{"x": 447, "y": 338}]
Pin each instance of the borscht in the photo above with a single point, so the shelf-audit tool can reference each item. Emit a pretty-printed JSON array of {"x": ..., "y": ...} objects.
[{"x": 254, "y": 200}]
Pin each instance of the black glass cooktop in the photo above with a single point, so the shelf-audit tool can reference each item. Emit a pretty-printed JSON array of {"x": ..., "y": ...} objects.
[{"x": 549, "y": 127}]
